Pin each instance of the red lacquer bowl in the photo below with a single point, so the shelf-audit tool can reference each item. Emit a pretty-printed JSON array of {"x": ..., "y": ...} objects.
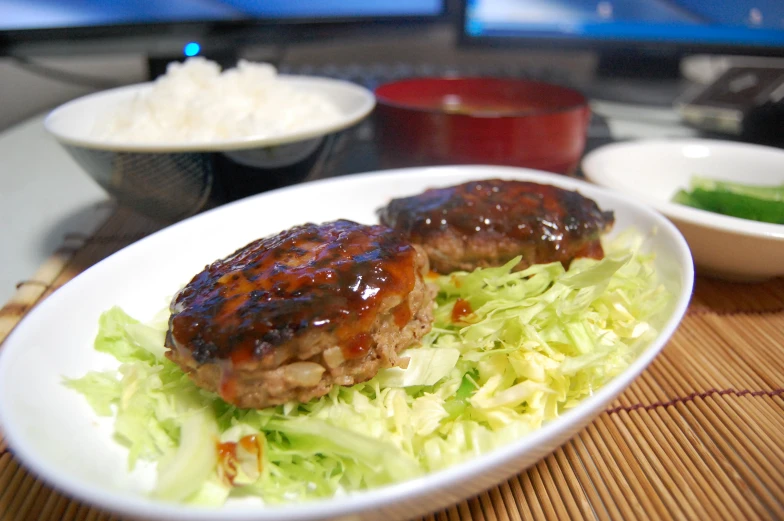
[{"x": 481, "y": 120}]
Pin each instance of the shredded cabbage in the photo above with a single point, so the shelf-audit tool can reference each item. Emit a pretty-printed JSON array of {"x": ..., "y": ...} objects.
[{"x": 535, "y": 343}]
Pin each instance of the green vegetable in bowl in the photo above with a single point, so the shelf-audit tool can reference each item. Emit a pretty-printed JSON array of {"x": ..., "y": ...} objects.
[
  {"x": 508, "y": 352},
  {"x": 754, "y": 202}
]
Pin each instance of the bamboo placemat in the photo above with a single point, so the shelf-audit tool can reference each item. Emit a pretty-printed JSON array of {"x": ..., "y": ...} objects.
[{"x": 697, "y": 436}]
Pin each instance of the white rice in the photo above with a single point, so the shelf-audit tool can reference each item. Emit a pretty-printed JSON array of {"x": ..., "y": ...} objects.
[{"x": 195, "y": 102}]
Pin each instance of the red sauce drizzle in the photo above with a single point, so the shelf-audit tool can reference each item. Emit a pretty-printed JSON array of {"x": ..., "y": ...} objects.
[
  {"x": 461, "y": 310},
  {"x": 357, "y": 346},
  {"x": 241, "y": 355},
  {"x": 249, "y": 443},
  {"x": 227, "y": 455},
  {"x": 228, "y": 384},
  {"x": 402, "y": 314},
  {"x": 227, "y": 459}
]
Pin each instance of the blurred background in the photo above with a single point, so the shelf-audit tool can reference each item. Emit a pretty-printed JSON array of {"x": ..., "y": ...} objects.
[
  {"x": 650, "y": 69},
  {"x": 55, "y": 50}
]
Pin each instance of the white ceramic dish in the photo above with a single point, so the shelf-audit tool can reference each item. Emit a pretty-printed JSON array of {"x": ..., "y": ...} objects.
[
  {"x": 72, "y": 123},
  {"x": 173, "y": 180},
  {"x": 652, "y": 171},
  {"x": 56, "y": 434}
]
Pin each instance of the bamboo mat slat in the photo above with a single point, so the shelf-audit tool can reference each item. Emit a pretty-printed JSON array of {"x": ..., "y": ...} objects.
[{"x": 697, "y": 436}]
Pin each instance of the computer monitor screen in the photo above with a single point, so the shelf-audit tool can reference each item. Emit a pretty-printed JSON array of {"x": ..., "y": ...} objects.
[
  {"x": 74, "y": 22},
  {"x": 685, "y": 24},
  {"x": 48, "y": 14}
]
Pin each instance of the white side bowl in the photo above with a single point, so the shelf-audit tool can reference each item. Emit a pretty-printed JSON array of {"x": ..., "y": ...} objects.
[
  {"x": 652, "y": 171},
  {"x": 56, "y": 434},
  {"x": 173, "y": 180},
  {"x": 73, "y": 123}
]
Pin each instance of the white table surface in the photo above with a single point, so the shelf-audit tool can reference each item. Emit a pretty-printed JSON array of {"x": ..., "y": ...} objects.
[{"x": 45, "y": 195}]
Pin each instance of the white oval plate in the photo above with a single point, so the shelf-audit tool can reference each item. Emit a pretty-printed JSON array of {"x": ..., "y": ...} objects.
[
  {"x": 55, "y": 433},
  {"x": 653, "y": 170},
  {"x": 73, "y": 122}
]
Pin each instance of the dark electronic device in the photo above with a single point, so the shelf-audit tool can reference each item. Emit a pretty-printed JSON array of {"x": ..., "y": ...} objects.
[{"x": 745, "y": 101}]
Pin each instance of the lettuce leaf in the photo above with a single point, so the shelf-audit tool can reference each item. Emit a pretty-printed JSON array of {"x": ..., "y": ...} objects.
[{"x": 536, "y": 343}]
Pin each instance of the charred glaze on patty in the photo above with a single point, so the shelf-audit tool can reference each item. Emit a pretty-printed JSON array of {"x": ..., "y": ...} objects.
[
  {"x": 289, "y": 316},
  {"x": 487, "y": 223}
]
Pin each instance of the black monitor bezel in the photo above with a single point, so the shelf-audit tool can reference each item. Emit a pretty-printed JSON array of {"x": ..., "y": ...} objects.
[{"x": 232, "y": 32}]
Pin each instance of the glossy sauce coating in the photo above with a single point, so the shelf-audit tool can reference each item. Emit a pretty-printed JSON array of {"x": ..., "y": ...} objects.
[
  {"x": 333, "y": 277},
  {"x": 549, "y": 223}
]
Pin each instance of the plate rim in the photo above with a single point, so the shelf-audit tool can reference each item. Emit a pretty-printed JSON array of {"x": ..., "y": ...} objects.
[{"x": 139, "y": 505}]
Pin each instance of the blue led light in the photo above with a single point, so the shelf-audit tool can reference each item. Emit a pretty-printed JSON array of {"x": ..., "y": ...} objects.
[{"x": 191, "y": 49}]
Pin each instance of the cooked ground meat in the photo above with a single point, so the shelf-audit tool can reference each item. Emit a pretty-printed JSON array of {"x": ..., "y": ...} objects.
[
  {"x": 289, "y": 316},
  {"x": 489, "y": 222}
]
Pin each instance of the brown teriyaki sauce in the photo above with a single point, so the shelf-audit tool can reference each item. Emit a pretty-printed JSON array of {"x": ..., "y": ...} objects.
[
  {"x": 555, "y": 222},
  {"x": 331, "y": 277}
]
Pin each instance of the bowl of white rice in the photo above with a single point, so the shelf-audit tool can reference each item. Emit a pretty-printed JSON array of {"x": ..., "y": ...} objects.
[{"x": 171, "y": 147}]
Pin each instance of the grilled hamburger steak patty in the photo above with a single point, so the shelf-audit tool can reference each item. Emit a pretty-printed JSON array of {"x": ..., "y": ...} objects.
[
  {"x": 489, "y": 222},
  {"x": 289, "y": 316}
]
